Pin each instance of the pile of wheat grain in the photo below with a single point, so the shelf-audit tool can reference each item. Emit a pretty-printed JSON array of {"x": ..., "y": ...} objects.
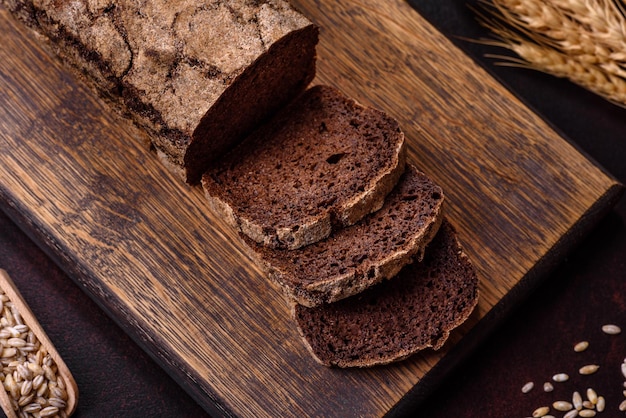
[{"x": 582, "y": 40}]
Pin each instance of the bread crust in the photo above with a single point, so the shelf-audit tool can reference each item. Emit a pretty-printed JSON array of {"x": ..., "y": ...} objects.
[
  {"x": 197, "y": 76},
  {"x": 398, "y": 318},
  {"x": 370, "y": 249}
]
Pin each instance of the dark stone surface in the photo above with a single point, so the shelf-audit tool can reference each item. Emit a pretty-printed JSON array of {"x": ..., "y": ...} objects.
[{"x": 588, "y": 289}]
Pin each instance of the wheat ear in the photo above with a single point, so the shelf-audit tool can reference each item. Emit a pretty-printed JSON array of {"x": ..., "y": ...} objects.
[{"x": 582, "y": 40}]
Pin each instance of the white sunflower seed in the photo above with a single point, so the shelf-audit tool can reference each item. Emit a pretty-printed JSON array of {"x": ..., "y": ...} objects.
[{"x": 611, "y": 329}]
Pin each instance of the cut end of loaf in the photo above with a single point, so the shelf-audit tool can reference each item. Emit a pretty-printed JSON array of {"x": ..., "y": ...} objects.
[
  {"x": 323, "y": 159},
  {"x": 397, "y": 318},
  {"x": 267, "y": 85}
]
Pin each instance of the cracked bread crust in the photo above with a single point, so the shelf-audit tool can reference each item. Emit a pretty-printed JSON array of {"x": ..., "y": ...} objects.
[
  {"x": 396, "y": 318},
  {"x": 357, "y": 257},
  {"x": 323, "y": 163},
  {"x": 196, "y": 75}
]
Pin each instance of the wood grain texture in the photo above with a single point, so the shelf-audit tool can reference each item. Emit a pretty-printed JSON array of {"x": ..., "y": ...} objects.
[{"x": 145, "y": 247}]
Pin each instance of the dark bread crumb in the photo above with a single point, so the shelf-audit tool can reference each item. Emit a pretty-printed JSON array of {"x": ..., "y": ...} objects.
[
  {"x": 357, "y": 257},
  {"x": 323, "y": 163},
  {"x": 398, "y": 317}
]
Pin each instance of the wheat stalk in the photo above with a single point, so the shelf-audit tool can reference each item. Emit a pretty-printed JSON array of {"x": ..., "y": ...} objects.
[{"x": 582, "y": 40}]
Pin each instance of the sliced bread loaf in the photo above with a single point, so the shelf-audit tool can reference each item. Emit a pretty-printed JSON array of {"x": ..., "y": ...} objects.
[
  {"x": 398, "y": 317},
  {"x": 196, "y": 75},
  {"x": 359, "y": 256},
  {"x": 323, "y": 162}
]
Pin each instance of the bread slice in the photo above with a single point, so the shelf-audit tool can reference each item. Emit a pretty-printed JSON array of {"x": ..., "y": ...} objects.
[
  {"x": 196, "y": 75},
  {"x": 324, "y": 162},
  {"x": 359, "y": 256},
  {"x": 398, "y": 317}
]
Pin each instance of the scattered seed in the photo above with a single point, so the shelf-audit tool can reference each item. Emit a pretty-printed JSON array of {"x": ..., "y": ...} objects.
[
  {"x": 624, "y": 371},
  {"x": 560, "y": 377},
  {"x": 541, "y": 411},
  {"x": 611, "y": 329},
  {"x": 587, "y": 413},
  {"x": 547, "y": 387},
  {"x": 622, "y": 406},
  {"x": 528, "y": 387},
  {"x": 577, "y": 400},
  {"x": 601, "y": 404},
  {"x": 592, "y": 396},
  {"x": 581, "y": 346},
  {"x": 571, "y": 414},
  {"x": 562, "y": 406},
  {"x": 587, "y": 404},
  {"x": 588, "y": 369}
]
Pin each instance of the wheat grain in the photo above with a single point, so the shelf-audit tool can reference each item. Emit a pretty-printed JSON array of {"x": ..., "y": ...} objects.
[{"x": 27, "y": 372}]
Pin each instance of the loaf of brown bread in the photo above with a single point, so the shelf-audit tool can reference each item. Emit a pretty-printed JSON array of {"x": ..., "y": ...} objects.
[
  {"x": 196, "y": 75},
  {"x": 359, "y": 256},
  {"x": 398, "y": 317},
  {"x": 323, "y": 163}
]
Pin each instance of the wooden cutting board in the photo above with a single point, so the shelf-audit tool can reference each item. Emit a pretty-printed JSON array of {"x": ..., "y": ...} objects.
[{"x": 144, "y": 246}]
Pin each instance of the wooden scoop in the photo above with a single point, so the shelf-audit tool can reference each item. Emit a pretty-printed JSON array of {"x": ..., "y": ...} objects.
[{"x": 40, "y": 372}]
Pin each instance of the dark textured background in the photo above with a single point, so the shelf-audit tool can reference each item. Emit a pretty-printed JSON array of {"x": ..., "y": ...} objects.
[{"x": 117, "y": 379}]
